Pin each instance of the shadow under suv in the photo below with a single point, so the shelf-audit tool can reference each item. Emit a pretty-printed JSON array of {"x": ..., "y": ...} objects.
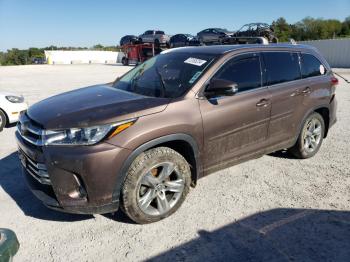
[{"x": 141, "y": 142}]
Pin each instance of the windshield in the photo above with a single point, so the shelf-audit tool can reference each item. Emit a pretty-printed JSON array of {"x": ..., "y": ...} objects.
[{"x": 167, "y": 75}]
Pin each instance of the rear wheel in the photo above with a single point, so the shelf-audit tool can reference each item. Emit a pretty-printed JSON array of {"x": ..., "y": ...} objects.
[
  {"x": 125, "y": 61},
  {"x": 310, "y": 138},
  {"x": 3, "y": 120},
  {"x": 156, "y": 185}
]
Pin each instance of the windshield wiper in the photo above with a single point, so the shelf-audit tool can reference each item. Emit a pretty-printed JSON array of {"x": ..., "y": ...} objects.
[{"x": 162, "y": 82}]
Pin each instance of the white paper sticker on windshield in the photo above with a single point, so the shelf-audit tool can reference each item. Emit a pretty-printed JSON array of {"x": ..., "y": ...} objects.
[{"x": 195, "y": 61}]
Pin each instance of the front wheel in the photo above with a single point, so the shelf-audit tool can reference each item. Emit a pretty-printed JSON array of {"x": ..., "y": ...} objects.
[
  {"x": 156, "y": 185},
  {"x": 310, "y": 138},
  {"x": 2, "y": 120}
]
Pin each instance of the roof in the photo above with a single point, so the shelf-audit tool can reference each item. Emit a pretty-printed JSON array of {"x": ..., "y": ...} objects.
[{"x": 223, "y": 49}]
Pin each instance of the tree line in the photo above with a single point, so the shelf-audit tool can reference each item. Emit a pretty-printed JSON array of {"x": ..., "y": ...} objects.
[
  {"x": 311, "y": 29},
  {"x": 17, "y": 56},
  {"x": 307, "y": 29}
]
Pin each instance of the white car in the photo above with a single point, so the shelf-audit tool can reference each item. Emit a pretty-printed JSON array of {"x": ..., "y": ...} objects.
[{"x": 11, "y": 106}]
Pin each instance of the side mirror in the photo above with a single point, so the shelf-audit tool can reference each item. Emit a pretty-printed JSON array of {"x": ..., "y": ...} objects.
[{"x": 221, "y": 87}]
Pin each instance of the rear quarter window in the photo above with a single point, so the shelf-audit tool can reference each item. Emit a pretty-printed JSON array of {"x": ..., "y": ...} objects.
[
  {"x": 281, "y": 67},
  {"x": 311, "y": 66}
]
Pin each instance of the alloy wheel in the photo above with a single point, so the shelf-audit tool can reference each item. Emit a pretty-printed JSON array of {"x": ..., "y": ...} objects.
[
  {"x": 312, "y": 135},
  {"x": 160, "y": 189}
]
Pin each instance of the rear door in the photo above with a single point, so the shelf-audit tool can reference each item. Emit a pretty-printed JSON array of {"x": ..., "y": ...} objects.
[
  {"x": 215, "y": 35},
  {"x": 284, "y": 80},
  {"x": 236, "y": 125},
  {"x": 317, "y": 80},
  {"x": 206, "y": 35}
]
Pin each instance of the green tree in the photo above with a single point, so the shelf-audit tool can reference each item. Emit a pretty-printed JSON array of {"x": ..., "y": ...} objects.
[
  {"x": 282, "y": 29},
  {"x": 98, "y": 46},
  {"x": 16, "y": 57},
  {"x": 345, "y": 28}
]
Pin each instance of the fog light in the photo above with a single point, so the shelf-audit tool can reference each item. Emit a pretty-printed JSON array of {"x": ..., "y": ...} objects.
[{"x": 80, "y": 191}]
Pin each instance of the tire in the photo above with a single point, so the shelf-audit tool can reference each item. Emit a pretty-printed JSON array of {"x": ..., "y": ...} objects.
[
  {"x": 143, "y": 189},
  {"x": 310, "y": 138},
  {"x": 3, "y": 120},
  {"x": 125, "y": 61}
]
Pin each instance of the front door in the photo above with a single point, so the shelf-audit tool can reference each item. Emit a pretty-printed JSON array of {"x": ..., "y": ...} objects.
[{"x": 236, "y": 126}]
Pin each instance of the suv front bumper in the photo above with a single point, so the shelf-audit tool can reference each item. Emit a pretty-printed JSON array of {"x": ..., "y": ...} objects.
[{"x": 78, "y": 179}]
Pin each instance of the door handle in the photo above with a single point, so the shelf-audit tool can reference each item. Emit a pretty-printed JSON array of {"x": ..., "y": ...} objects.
[
  {"x": 262, "y": 103},
  {"x": 306, "y": 91}
]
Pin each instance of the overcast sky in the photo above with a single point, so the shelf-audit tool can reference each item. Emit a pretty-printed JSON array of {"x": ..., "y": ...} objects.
[{"x": 40, "y": 23}]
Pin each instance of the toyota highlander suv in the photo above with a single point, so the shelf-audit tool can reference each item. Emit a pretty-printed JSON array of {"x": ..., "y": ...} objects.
[{"x": 143, "y": 141}]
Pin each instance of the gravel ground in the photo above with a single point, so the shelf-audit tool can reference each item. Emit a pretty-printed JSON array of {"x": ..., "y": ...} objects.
[{"x": 273, "y": 208}]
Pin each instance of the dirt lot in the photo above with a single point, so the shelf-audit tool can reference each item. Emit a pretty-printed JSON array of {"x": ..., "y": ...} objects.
[{"x": 270, "y": 209}]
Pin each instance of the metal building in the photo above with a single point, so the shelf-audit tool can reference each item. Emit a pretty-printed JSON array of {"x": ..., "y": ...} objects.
[{"x": 336, "y": 51}]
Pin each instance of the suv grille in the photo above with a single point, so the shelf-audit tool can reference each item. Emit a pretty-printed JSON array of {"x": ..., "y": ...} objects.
[
  {"x": 36, "y": 170},
  {"x": 29, "y": 130}
]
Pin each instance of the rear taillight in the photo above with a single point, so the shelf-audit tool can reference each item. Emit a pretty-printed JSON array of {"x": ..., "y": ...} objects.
[{"x": 334, "y": 81}]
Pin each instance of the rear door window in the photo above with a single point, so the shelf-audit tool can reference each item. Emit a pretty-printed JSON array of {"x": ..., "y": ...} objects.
[
  {"x": 244, "y": 70},
  {"x": 311, "y": 66},
  {"x": 160, "y": 32},
  {"x": 281, "y": 67}
]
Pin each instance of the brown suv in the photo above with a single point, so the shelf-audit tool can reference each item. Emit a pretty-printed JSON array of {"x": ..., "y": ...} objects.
[{"x": 144, "y": 140}]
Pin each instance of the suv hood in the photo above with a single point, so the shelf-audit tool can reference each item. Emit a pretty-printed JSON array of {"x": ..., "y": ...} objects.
[{"x": 90, "y": 106}]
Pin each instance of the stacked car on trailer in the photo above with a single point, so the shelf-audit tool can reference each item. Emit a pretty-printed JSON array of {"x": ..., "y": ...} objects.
[{"x": 137, "y": 49}]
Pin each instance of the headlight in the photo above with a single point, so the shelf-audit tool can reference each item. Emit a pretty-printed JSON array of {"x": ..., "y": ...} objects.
[
  {"x": 84, "y": 136},
  {"x": 15, "y": 99}
]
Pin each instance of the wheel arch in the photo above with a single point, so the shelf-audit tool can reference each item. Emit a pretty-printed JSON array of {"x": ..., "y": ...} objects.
[
  {"x": 323, "y": 110},
  {"x": 184, "y": 144}
]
